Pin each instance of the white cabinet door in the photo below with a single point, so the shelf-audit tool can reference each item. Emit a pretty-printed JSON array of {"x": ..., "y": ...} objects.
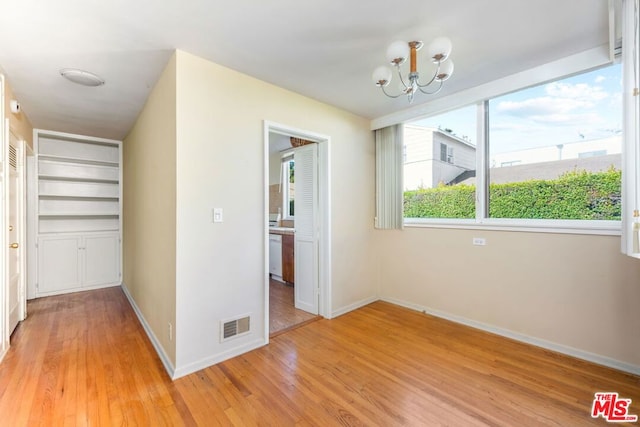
[
  {"x": 275, "y": 255},
  {"x": 58, "y": 264},
  {"x": 73, "y": 262},
  {"x": 101, "y": 259}
]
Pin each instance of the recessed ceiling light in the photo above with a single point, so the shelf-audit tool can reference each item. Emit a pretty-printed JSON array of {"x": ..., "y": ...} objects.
[{"x": 80, "y": 77}]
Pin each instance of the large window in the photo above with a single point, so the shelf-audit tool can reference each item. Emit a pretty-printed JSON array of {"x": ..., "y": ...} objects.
[
  {"x": 439, "y": 166},
  {"x": 550, "y": 152}
]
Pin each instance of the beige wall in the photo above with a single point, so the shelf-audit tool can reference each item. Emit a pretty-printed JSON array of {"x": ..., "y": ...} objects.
[
  {"x": 275, "y": 199},
  {"x": 19, "y": 123},
  {"x": 275, "y": 190},
  {"x": 275, "y": 164},
  {"x": 573, "y": 291},
  {"x": 149, "y": 205},
  {"x": 576, "y": 291},
  {"x": 220, "y": 267}
]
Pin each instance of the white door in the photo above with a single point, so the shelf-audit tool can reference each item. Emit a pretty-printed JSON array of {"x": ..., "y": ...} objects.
[
  {"x": 15, "y": 224},
  {"x": 306, "y": 225}
]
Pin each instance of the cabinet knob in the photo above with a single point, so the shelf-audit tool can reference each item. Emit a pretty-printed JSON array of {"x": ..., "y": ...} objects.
[
  {"x": 13, "y": 246},
  {"x": 11, "y": 228}
]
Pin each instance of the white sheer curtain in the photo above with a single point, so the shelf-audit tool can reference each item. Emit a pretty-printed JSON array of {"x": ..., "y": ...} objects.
[
  {"x": 389, "y": 196},
  {"x": 631, "y": 130}
]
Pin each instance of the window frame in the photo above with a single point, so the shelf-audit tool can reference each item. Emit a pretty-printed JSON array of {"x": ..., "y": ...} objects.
[
  {"x": 286, "y": 202},
  {"x": 481, "y": 220}
]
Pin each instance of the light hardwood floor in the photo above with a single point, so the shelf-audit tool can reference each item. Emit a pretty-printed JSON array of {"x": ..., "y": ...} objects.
[
  {"x": 83, "y": 359},
  {"x": 283, "y": 315}
]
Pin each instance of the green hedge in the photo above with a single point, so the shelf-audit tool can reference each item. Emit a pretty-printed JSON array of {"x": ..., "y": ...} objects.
[{"x": 574, "y": 195}]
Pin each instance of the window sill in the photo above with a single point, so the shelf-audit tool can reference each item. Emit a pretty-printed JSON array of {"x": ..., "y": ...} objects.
[{"x": 603, "y": 228}]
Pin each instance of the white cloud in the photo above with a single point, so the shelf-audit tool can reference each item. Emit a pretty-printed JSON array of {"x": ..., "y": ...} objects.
[
  {"x": 600, "y": 79},
  {"x": 580, "y": 91},
  {"x": 509, "y": 126},
  {"x": 568, "y": 119},
  {"x": 616, "y": 100},
  {"x": 543, "y": 105},
  {"x": 562, "y": 104}
]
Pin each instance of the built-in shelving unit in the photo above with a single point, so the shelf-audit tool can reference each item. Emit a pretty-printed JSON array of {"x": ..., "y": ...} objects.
[{"x": 78, "y": 212}]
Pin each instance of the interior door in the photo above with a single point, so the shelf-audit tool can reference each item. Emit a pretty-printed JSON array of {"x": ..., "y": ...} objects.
[
  {"x": 306, "y": 225},
  {"x": 16, "y": 247}
]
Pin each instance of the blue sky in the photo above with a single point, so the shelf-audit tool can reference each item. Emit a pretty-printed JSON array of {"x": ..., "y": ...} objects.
[{"x": 587, "y": 106}]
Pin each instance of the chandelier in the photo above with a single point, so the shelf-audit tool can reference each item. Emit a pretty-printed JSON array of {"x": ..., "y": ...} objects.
[{"x": 397, "y": 54}]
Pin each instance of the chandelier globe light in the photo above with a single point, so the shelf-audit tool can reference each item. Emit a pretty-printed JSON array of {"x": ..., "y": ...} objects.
[{"x": 399, "y": 52}]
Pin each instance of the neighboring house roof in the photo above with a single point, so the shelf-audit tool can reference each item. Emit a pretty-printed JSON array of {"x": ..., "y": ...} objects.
[
  {"x": 441, "y": 132},
  {"x": 550, "y": 170},
  {"x": 567, "y": 150}
]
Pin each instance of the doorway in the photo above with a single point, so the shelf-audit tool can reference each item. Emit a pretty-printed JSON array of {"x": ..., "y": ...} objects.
[
  {"x": 305, "y": 234},
  {"x": 13, "y": 252}
]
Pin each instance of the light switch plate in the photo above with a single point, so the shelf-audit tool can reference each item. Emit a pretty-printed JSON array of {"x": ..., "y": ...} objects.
[{"x": 217, "y": 214}]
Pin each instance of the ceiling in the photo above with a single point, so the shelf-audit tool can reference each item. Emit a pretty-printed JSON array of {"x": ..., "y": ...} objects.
[{"x": 324, "y": 50}]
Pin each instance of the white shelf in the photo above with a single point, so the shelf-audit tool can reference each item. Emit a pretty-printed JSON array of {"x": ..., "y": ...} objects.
[
  {"x": 73, "y": 215},
  {"x": 78, "y": 189},
  {"x": 78, "y": 207},
  {"x": 48, "y": 225},
  {"x": 78, "y": 212},
  {"x": 74, "y": 179},
  {"x": 78, "y": 160},
  {"x": 74, "y": 197},
  {"x": 71, "y": 170},
  {"x": 78, "y": 151}
]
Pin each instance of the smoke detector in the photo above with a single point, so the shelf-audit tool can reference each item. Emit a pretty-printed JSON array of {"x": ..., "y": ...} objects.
[{"x": 84, "y": 78}]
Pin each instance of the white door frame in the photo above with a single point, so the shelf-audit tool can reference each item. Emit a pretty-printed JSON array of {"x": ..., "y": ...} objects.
[
  {"x": 324, "y": 217},
  {"x": 31, "y": 222},
  {"x": 4, "y": 299}
]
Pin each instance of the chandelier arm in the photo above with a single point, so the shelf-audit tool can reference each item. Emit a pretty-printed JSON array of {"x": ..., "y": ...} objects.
[
  {"x": 431, "y": 93},
  {"x": 430, "y": 81},
  {"x": 406, "y": 87},
  {"x": 391, "y": 96}
]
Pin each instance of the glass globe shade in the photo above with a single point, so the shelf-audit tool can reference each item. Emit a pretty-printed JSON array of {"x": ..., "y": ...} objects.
[
  {"x": 381, "y": 76},
  {"x": 398, "y": 52},
  {"x": 446, "y": 69},
  {"x": 440, "y": 48}
]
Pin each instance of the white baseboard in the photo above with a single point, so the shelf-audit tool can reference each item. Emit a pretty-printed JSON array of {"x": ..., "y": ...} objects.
[
  {"x": 354, "y": 306},
  {"x": 4, "y": 351},
  {"x": 166, "y": 361},
  {"x": 74, "y": 290},
  {"x": 221, "y": 357},
  {"x": 570, "y": 351}
]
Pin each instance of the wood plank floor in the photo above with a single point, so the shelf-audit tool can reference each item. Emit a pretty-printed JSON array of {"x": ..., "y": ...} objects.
[
  {"x": 83, "y": 359},
  {"x": 283, "y": 315}
]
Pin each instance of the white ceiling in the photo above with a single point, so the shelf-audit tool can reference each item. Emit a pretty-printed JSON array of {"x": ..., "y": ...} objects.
[{"x": 325, "y": 50}]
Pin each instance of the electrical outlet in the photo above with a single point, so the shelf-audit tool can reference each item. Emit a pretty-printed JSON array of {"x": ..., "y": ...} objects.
[
  {"x": 479, "y": 241},
  {"x": 170, "y": 332}
]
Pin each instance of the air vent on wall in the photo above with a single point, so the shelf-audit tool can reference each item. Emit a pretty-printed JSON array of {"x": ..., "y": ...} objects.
[
  {"x": 13, "y": 157},
  {"x": 234, "y": 328}
]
